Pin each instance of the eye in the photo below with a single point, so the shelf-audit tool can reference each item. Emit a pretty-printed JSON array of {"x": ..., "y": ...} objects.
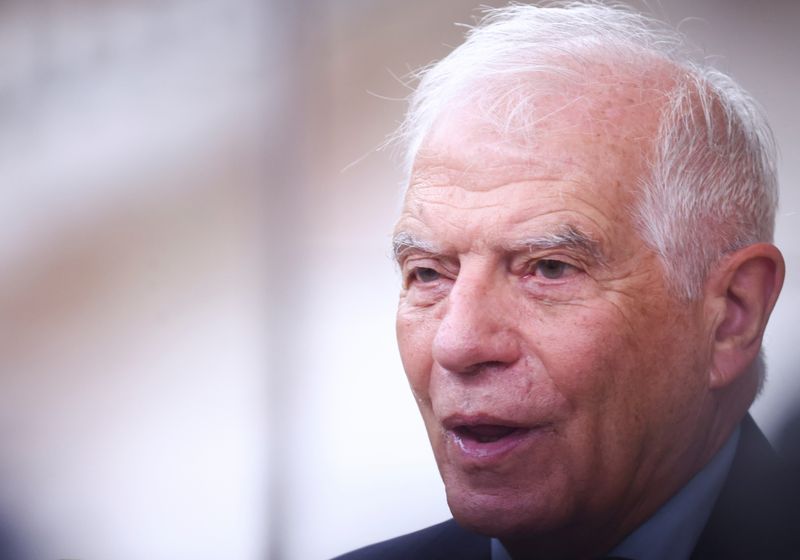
[
  {"x": 551, "y": 269},
  {"x": 425, "y": 275}
]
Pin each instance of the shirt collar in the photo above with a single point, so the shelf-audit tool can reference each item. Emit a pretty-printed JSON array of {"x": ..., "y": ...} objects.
[{"x": 672, "y": 532}]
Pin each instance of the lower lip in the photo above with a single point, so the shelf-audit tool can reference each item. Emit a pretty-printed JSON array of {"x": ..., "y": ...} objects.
[{"x": 476, "y": 451}]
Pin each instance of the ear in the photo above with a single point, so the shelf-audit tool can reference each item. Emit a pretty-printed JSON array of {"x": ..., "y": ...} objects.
[{"x": 740, "y": 294}]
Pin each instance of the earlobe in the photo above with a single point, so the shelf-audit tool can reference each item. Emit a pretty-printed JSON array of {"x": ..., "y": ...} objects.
[{"x": 743, "y": 290}]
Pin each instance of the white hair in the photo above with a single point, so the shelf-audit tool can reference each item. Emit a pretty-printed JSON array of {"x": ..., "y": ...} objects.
[{"x": 712, "y": 186}]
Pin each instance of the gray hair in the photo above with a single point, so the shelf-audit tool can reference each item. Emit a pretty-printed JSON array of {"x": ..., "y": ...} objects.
[{"x": 712, "y": 184}]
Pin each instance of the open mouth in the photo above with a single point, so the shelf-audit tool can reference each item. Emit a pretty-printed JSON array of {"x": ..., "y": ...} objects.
[
  {"x": 486, "y": 433},
  {"x": 486, "y": 443}
]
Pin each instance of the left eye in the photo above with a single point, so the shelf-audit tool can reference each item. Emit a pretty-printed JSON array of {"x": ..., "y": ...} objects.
[
  {"x": 551, "y": 269},
  {"x": 424, "y": 275}
]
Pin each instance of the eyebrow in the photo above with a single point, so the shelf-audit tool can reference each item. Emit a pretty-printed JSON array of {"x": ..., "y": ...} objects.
[
  {"x": 567, "y": 236},
  {"x": 403, "y": 242}
]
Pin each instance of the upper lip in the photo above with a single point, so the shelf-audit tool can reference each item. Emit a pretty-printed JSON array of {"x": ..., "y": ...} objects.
[{"x": 454, "y": 421}]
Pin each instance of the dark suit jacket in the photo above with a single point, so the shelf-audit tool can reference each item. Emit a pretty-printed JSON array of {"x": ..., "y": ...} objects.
[{"x": 756, "y": 517}]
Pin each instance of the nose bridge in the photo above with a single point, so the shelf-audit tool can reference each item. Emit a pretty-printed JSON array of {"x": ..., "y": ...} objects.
[{"x": 477, "y": 327}]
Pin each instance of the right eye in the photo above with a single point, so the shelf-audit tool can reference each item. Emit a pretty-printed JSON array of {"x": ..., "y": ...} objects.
[{"x": 424, "y": 275}]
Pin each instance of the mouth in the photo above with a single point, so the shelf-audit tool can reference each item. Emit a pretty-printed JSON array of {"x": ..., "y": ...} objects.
[
  {"x": 485, "y": 433},
  {"x": 485, "y": 440}
]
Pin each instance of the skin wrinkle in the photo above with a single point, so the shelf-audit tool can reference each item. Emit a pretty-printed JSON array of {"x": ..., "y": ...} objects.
[
  {"x": 564, "y": 237},
  {"x": 600, "y": 259},
  {"x": 424, "y": 204}
]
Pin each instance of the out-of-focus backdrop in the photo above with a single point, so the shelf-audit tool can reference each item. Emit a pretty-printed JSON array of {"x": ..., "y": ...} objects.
[{"x": 197, "y": 356}]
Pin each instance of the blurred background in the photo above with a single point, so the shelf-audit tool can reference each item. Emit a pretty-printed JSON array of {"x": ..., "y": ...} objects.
[{"x": 197, "y": 356}]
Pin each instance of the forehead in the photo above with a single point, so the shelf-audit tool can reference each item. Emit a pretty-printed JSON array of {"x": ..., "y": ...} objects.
[
  {"x": 596, "y": 91},
  {"x": 584, "y": 154},
  {"x": 597, "y": 111}
]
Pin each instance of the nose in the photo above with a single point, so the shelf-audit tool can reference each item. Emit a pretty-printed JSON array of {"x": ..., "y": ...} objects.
[{"x": 477, "y": 329}]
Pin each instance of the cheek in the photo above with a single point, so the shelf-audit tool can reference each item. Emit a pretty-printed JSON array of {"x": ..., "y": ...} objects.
[
  {"x": 619, "y": 369},
  {"x": 599, "y": 364},
  {"x": 583, "y": 350},
  {"x": 415, "y": 342}
]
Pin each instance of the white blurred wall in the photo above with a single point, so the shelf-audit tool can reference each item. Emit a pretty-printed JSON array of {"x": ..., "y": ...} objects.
[{"x": 133, "y": 394}]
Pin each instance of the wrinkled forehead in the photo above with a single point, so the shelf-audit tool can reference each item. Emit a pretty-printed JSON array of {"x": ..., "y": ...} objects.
[{"x": 599, "y": 107}]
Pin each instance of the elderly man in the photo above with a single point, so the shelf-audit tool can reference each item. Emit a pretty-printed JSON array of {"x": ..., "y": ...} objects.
[{"x": 587, "y": 275}]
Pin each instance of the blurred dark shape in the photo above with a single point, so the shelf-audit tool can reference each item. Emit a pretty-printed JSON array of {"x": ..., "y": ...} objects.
[
  {"x": 787, "y": 442},
  {"x": 10, "y": 543}
]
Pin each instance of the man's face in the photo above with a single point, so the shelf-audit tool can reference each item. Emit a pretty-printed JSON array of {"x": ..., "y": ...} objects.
[{"x": 560, "y": 382}]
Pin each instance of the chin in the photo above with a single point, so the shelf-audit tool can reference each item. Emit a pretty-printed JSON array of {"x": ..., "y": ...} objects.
[{"x": 510, "y": 516}]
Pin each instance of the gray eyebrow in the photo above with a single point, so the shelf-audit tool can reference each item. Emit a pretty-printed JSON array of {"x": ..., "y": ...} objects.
[
  {"x": 405, "y": 241},
  {"x": 566, "y": 236}
]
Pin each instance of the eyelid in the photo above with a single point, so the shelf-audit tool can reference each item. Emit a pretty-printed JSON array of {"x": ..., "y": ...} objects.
[
  {"x": 527, "y": 261},
  {"x": 566, "y": 261},
  {"x": 568, "y": 270},
  {"x": 414, "y": 259},
  {"x": 415, "y": 262},
  {"x": 430, "y": 260}
]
